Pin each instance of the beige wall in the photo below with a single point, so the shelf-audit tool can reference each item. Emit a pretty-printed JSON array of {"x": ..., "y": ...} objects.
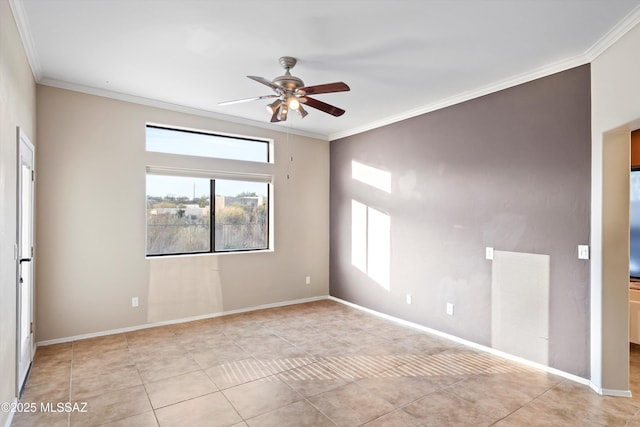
[
  {"x": 615, "y": 92},
  {"x": 91, "y": 217},
  {"x": 17, "y": 108}
]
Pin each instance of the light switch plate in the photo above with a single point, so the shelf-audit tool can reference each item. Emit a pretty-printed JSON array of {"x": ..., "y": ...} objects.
[{"x": 450, "y": 309}]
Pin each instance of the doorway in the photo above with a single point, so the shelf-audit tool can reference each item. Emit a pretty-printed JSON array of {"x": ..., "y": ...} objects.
[{"x": 24, "y": 259}]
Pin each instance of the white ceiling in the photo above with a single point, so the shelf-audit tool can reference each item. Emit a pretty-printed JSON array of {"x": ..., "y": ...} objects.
[{"x": 400, "y": 58}]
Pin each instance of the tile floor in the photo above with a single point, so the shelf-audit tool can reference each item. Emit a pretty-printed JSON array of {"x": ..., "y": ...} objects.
[{"x": 315, "y": 364}]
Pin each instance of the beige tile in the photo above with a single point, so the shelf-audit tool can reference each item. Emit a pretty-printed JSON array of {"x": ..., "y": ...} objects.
[
  {"x": 210, "y": 410},
  {"x": 303, "y": 413},
  {"x": 422, "y": 343},
  {"x": 179, "y": 388},
  {"x": 261, "y": 396},
  {"x": 509, "y": 391},
  {"x": 55, "y": 390},
  {"x": 58, "y": 372},
  {"x": 150, "y": 352},
  {"x": 91, "y": 347},
  {"x": 236, "y": 372},
  {"x": 399, "y": 390},
  {"x": 396, "y": 418},
  {"x": 541, "y": 415},
  {"x": 159, "y": 369},
  {"x": 151, "y": 335},
  {"x": 262, "y": 344},
  {"x": 313, "y": 379},
  {"x": 146, "y": 419},
  {"x": 113, "y": 406},
  {"x": 302, "y": 334},
  {"x": 210, "y": 357},
  {"x": 53, "y": 354},
  {"x": 204, "y": 342},
  {"x": 357, "y": 366},
  {"x": 328, "y": 347},
  {"x": 351, "y": 405},
  {"x": 438, "y": 409},
  {"x": 285, "y": 353},
  {"x": 87, "y": 384},
  {"x": 106, "y": 360}
]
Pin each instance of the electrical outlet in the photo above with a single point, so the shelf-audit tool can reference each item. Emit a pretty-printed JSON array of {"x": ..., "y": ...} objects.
[
  {"x": 450, "y": 309},
  {"x": 135, "y": 302},
  {"x": 583, "y": 251},
  {"x": 488, "y": 253},
  {"x": 409, "y": 299},
  {"x": 307, "y": 280}
]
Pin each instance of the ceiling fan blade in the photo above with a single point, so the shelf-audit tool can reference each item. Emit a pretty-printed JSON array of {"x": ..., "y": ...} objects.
[
  {"x": 275, "y": 118},
  {"x": 323, "y": 106},
  {"x": 265, "y": 82},
  {"x": 325, "y": 88},
  {"x": 255, "y": 98}
]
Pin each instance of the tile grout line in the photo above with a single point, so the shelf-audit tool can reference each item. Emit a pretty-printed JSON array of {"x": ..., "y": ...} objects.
[{"x": 135, "y": 364}]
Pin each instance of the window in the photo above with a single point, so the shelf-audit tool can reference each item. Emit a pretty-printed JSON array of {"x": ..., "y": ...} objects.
[
  {"x": 202, "y": 144},
  {"x": 179, "y": 215},
  {"x": 192, "y": 211}
]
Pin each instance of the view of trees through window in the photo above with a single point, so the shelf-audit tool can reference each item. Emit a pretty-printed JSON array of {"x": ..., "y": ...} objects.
[{"x": 179, "y": 214}]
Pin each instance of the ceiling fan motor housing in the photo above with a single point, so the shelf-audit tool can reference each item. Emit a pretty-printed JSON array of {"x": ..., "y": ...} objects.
[{"x": 287, "y": 81}]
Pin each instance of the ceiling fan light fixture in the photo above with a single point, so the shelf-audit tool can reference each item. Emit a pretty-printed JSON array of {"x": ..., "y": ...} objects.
[
  {"x": 293, "y": 102},
  {"x": 271, "y": 108},
  {"x": 284, "y": 109},
  {"x": 302, "y": 112}
]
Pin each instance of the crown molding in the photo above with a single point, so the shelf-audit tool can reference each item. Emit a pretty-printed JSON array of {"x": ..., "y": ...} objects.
[
  {"x": 135, "y": 99},
  {"x": 614, "y": 34},
  {"x": 20, "y": 16}
]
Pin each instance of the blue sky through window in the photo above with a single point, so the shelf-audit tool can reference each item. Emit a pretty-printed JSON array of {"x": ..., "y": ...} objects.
[{"x": 205, "y": 145}]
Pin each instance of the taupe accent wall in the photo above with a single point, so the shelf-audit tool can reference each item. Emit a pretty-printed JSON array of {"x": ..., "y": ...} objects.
[{"x": 509, "y": 170}]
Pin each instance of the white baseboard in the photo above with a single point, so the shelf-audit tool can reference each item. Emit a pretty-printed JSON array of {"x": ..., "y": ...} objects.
[
  {"x": 183, "y": 320},
  {"x": 486, "y": 349},
  {"x": 610, "y": 392}
]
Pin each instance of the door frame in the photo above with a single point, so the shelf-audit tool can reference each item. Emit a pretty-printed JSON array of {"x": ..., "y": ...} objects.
[{"x": 23, "y": 139}]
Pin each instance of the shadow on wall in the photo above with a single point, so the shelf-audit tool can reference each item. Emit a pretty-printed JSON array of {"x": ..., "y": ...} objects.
[{"x": 182, "y": 287}]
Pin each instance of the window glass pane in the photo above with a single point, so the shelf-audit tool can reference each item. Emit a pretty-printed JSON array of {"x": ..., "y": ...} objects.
[
  {"x": 173, "y": 141},
  {"x": 241, "y": 215},
  {"x": 178, "y": 215}
]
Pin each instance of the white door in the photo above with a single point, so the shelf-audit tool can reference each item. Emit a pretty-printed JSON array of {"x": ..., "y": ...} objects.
[{"x": 25, "y": 347}]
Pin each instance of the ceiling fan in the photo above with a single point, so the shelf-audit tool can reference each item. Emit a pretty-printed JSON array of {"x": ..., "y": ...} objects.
[{"x": 291, "y": 94}]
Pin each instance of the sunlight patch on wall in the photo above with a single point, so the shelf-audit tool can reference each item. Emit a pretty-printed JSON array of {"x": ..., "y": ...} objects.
[
  {"x": 371, "y": 243},
  {"x": 369, "y": 175}
]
